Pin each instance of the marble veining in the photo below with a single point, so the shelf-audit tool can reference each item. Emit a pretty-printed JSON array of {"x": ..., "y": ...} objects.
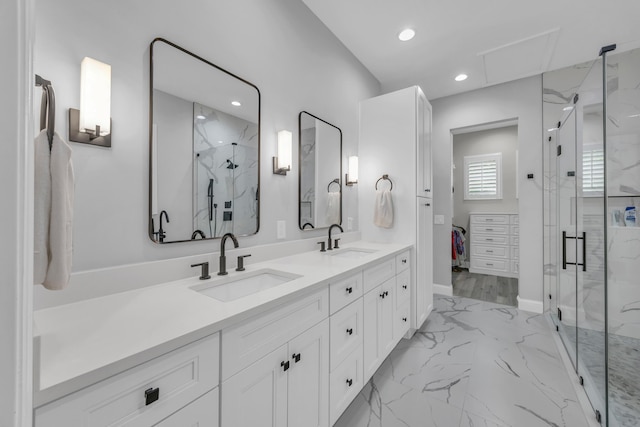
[{"x": 472, "y": 363}]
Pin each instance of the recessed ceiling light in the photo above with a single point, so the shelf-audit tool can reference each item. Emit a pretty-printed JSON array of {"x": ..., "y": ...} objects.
[
  {"x": 634, "y": 116},
  {"x": 406, "y": 35},
  {"x": 461, "y": 77},
  {"x": 219, "y": 142},
  {"x": 235, "y": 103},
  {"x": 200, "y": 117},
  {"x": 567, "y": 108},
  {"x": 551, "y": 129}
]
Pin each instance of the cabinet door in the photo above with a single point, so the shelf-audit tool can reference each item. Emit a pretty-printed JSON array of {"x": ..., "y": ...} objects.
[
  {"x": 424, "y": 262},
  {"x": 308, "y": 403},
  {"x": 257, "y": 395},
  {"x": 372, "y": 303},
  {"x": 423, "y": 146},
  {"x": 386, "y": 317},
  {"x": 203, "y": 412}
]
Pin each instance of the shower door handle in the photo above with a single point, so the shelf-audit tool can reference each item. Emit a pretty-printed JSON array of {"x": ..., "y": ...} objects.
[{"x": 584, "y": 251}]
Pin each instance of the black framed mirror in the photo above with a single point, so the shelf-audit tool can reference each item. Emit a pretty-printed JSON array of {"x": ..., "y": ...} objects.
[
  {"x": 319, "y": 173},
  {"x": 204, "y": 148}
]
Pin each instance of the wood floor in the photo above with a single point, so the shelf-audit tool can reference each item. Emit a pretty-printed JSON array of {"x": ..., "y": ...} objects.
[{"x": 501, "y": 290}]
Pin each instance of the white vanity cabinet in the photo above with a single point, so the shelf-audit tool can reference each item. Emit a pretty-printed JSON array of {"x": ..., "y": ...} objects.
[
  {"x": 145, "y": 395},
  {"x": 275, "y": 367}
]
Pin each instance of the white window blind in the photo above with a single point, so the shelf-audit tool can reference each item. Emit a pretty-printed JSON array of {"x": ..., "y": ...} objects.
[
  {"x": 593, "y": 171},
  {"x": 482, "y": 177}
]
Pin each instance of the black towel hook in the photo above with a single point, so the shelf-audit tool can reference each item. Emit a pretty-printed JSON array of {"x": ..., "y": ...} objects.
[
  {"x": 47, "y": 108},
  {"x": 335, "y": 181}
]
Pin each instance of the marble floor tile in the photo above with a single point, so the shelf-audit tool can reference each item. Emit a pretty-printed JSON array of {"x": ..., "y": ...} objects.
[{"x": 472, "y": 364}]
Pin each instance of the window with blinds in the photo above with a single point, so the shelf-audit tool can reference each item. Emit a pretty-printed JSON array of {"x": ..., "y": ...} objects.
[
  {"x": 593, "y": 172},
  {"x": 483, "y": 177}
]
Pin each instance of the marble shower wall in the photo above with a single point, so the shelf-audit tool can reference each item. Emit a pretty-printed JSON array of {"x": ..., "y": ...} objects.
[
  {"x": 226, "y": 151},
  {"x": 308, "y": 178}
]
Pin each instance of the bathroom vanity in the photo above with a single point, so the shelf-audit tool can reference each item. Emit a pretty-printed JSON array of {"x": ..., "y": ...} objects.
[{"x": 289, "y": 341}]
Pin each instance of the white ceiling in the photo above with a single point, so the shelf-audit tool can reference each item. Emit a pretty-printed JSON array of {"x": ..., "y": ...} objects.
[{"x": 492, "y": 41}]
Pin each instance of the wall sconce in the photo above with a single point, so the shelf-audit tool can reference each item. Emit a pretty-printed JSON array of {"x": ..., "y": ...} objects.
[
  {"x": 92, "y": 123},
  {"x": 351, "y": 177},
  {"x": 282, "y": 163}
]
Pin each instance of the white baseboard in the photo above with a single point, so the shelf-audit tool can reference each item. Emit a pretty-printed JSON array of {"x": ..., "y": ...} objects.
[
  {"x": 530, "y": 305},
  {"x": 443, "y": 289}
]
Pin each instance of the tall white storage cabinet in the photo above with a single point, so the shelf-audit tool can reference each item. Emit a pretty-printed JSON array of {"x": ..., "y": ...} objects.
[{"x": 395, "y": 140}]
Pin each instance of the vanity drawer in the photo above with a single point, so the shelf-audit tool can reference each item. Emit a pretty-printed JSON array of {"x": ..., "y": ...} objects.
[
  {"x": 403, "y": 287},
  {"x": 515, "y": 253},
  {"x": 201, "y": 413},
  {"x": 403, "y": 261},
  {"x": 515, "y": 219},
  {"x": 248, "y": 341},
  {"x": 345, "y": 291},
  {"x": 345, "y": 383},
  {"x": 492, "y": 251},
  {"x": 373, "y": 276},
  {"x": 490, "y": 239},
  {"x": 401, "y": 321},
  {"x": 346, "y": 332},
  {"x": 489, "y": 264},
  {"x": 180, "y": 376},
  {"x": 489, "y": 219},
  {"x": 515, "y": 240},
  {"x": 490, "y": 229},
  {"x": 515, "y": 230}
]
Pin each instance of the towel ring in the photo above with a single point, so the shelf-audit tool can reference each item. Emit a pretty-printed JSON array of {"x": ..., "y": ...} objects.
[
  {"x": 386, "y": 178},
  {"x": 335, "y": 181}
]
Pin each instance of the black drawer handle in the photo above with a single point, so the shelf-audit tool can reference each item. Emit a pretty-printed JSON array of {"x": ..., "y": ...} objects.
[
  {"x": 151, "y": 395},
  {"x": 350, "y": 331},
  {"x": 350, "y": 382},
  {"x": 490, "y": 265},
  {"x": 489, "y": 240},
  {"x": 349, "y": 290},
  {"x": 386, "y": 293},
  {"x": 285, "y": 366},
  {"x": 404, "y": 319},
  {"x": 489, "y": 229},
  {"x": 382, "y": 295},
  {"x": 489, "y": 251},
  {"x": 404, "y": 260},
  {"x": 404, "y": 286},
  {"x": 296, "y": 357}
]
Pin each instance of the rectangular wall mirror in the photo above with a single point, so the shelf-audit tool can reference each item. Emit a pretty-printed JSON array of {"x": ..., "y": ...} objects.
[
  {"x": 204, "y": 148},
  {"x": 320, "y": 172}
]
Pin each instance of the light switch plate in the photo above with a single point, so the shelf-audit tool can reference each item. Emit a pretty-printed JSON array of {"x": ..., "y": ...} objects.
[
  {"x": 281, "y": 230},
  {"x": 438, "y": 219}
]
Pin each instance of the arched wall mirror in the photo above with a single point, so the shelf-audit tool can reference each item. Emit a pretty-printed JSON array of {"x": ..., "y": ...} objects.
[
  {"x": 204, "y": 141},
  {"x": 320, "y": 172}
]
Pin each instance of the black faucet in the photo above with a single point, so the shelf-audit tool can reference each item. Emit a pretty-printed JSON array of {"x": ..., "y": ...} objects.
[
  {"x": 223, "y": 258},
  {"x": 329, "y": 247},
  {"x": 198, "y": 233},
  {"x": 161, "y": 233}
]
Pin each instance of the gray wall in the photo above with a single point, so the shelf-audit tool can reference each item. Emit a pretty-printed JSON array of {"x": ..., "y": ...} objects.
[{"x": 502, "y": 140}]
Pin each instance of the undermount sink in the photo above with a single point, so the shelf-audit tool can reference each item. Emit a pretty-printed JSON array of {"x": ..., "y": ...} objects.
[
  {"x": 352, "y": 252},
  {"x": 232, "y": 288}
]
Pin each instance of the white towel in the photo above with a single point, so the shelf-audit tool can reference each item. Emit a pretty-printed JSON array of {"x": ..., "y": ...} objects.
[
  {"x": 333, "y": 207},
  {"x": 55, "y": 188},
  {"x": 383, "y": 210}
]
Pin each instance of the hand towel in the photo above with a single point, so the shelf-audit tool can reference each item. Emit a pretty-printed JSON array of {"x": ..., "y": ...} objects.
[
  {"x": 333, "y": 207},
  {"x": 41, "y": 207},
  {"x": 383, "y": 210},
  {"x": 60, "y": 214}
]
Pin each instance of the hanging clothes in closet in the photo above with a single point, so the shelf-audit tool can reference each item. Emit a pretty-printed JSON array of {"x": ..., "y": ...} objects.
[{"x": 458, "y": 248}]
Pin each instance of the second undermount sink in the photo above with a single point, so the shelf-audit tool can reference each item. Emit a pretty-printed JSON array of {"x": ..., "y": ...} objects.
[
  {"x": 352, "y": 252},
  {"x": 232, "y": 288}
]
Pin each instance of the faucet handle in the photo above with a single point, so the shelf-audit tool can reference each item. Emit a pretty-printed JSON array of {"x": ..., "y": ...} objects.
[
  {"x": 335, "y": 244},
  {"x": 204, "y": 272},
  {"x": 322, "y": 249},
  {"x": 240, "y": 266}
]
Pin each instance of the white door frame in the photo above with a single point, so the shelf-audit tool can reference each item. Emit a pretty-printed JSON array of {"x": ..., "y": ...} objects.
[{"x": 16, "y": 215}]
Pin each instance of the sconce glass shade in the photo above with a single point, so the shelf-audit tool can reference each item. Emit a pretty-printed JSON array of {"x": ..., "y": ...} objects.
[
  {"x": 95, "y": 96},
  {"x": 352, "y": 175},
  {"x": 285, "y": 140}
]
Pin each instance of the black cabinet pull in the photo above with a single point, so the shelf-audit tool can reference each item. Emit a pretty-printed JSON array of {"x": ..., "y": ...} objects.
[
  {"x": 349, "y": 290},
  {"x": 151, "y": 395},
  {"x": 350, "y": 331},
  {"x": 386, "y": 293},
  {"x": 285, "y": 366},
  {"x": 350, "y": 382},
  {"x": 404, "y": 261},
  {"x": 404, "y": 319},
  {"x": 296, "y": 357},
  {"x": 404, "y": 286},
  {"x": 382, "y": 295}
]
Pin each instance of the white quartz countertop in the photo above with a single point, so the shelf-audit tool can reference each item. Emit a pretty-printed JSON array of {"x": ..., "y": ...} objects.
[{"x": 85, "y": 342}]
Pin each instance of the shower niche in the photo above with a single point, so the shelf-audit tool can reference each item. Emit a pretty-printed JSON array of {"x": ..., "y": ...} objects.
[{"x": 204, "y": 148}]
